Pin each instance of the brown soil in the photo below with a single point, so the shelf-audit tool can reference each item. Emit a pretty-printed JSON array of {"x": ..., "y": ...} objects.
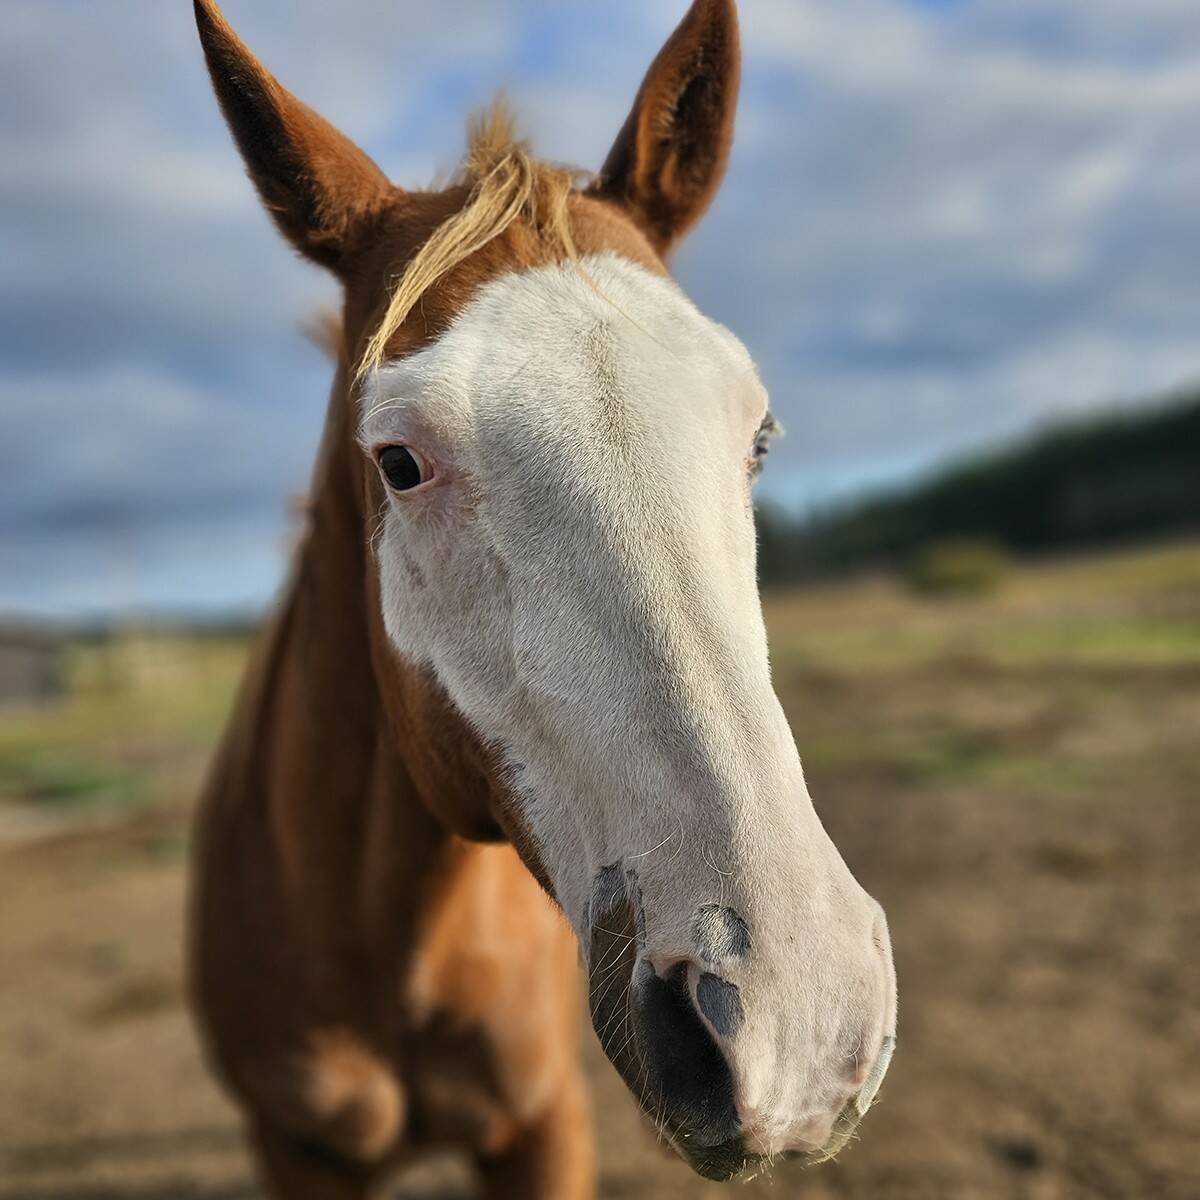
[{"x": 1034, "y": 833}]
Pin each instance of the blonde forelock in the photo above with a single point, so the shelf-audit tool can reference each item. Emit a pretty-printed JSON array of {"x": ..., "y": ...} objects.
[{"x": 507, "y": 184}]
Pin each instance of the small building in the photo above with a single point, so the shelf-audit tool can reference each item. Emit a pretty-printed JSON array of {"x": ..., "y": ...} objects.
[{"x": 31, "y": 666}]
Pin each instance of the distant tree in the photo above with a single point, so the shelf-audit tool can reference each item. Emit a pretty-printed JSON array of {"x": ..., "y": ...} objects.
[{"x": 1125, "y": 474}]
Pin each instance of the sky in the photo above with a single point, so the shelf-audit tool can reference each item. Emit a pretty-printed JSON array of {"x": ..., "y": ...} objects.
[{"x": 945, "y": 222}]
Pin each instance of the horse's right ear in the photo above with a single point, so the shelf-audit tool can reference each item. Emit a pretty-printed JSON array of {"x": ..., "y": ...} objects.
[
  {"x": 668, "y": 160},
  {"x": 320, "y": 188}
]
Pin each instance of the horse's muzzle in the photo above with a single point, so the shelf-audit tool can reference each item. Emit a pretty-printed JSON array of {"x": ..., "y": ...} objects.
[{"x": 667, "y": 1025}]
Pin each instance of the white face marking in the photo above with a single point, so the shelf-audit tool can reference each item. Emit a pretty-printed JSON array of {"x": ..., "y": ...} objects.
[{"x": 580, "y": 576}]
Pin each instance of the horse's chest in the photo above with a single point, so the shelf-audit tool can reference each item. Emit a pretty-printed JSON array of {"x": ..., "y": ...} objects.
[
  {"x": 476, "y": 1071},
  {"x": 493, "y": 1017},
  {"x": 458, "y": 1091}
]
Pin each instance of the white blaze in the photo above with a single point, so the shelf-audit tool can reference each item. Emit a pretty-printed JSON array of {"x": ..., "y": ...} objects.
[{"x": 582, "y": 582}]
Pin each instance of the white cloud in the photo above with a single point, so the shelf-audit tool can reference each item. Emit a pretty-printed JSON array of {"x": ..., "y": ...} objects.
[
  {"x": 962, "y": 220},
  {"x": 941, "y": 224}
]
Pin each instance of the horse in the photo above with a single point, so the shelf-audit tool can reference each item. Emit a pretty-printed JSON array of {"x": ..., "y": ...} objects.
[{"x": 514, "y": 708}]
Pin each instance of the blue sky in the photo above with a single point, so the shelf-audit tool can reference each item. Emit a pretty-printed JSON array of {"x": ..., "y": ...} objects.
[{"x": 945, "y": 221}]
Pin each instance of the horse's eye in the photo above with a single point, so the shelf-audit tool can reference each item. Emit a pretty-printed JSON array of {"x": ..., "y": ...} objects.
[
  {"x": 769, "y": 428},
  {"x": 402, "y": 468}
]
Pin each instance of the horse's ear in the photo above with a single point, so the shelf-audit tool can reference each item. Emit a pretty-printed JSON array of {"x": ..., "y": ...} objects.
[
  {"x": 320, "y": 188},
  {"x": 669, "y": 158}
]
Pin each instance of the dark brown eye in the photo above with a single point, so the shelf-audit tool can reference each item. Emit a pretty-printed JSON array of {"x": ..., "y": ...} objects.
[
  {"x": 769, "y": 429},
  {"x": 401, "y": 468}
]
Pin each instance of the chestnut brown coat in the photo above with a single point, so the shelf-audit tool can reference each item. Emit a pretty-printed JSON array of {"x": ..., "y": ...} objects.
[{"x": 374, "y": 965}]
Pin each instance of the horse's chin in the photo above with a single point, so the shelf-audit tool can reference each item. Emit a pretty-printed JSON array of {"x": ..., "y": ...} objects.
[{"x": 718, "y": 1163}]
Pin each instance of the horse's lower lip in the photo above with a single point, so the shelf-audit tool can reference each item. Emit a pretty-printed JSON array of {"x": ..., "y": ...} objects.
[{"x": 718, "y": 1163}]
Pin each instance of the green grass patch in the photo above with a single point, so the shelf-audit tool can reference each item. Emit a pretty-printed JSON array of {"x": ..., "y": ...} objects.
[
  {"x": 56, "y": 777},
  {"x": 139, "y": 717},
  {"x": 1140, "y": 609},
  {"x": 947, "y": 756}
]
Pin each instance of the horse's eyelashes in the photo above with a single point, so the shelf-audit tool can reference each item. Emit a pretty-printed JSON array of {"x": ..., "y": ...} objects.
[{"x": 762, "y": 442}]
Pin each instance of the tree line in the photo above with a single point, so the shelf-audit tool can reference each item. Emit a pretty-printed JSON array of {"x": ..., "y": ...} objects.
[{"x": 1126, "y": 474}]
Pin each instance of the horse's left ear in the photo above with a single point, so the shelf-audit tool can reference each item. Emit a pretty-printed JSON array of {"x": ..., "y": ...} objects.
[
  {"x": 320, "y": 188},
  {"x": 669, "y": 158}
]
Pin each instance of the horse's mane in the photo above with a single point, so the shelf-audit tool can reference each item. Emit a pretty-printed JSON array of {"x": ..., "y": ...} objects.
[{"x": 507, "y": 183}]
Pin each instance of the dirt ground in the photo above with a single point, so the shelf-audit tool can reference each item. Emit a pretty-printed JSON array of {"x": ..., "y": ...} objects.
[{"x": 1016, "y": 779}]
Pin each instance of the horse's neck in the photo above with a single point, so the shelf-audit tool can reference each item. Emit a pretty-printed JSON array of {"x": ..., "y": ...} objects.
[
  {"x": 308, "y": 762},
  {"x": 320, "y": 808}
]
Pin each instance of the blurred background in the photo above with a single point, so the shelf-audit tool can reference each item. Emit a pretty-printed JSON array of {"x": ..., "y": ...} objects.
[{"x": 961, "y": 238}]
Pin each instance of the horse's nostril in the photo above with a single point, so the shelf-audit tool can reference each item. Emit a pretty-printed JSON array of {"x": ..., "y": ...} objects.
[
  {"x": 721, "y": 1003},
  {"x": 687, "y": 1074}
]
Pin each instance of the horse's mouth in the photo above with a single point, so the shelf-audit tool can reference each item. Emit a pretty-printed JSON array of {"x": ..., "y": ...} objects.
[{"x": 731, "y": 1159}]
